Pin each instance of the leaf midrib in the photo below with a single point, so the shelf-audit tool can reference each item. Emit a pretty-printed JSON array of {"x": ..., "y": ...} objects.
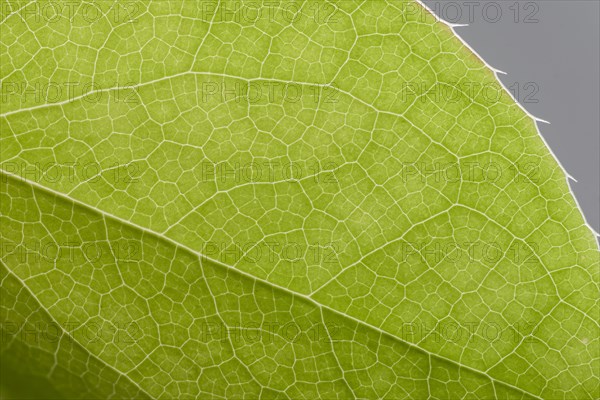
[{"x": 202, "y": 257}]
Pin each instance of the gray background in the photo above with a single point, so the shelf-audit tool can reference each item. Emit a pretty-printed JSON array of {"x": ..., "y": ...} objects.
[{"x": 552, "y": 47}]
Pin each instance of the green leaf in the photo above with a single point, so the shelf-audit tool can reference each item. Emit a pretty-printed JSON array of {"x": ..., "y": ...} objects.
[{"x": 279, "y": 200}]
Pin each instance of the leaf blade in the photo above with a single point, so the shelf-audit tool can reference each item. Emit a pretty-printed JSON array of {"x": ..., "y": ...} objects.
[{"x": 372, "y": 197}]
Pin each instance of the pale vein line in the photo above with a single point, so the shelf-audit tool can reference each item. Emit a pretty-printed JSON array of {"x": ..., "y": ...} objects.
[
  {"x": 201, "y": 257},
  {"x": 67, "y": 334}
]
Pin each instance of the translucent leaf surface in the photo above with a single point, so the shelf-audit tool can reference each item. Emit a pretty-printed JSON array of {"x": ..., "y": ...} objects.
[{"x": 280, "y": 200}]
